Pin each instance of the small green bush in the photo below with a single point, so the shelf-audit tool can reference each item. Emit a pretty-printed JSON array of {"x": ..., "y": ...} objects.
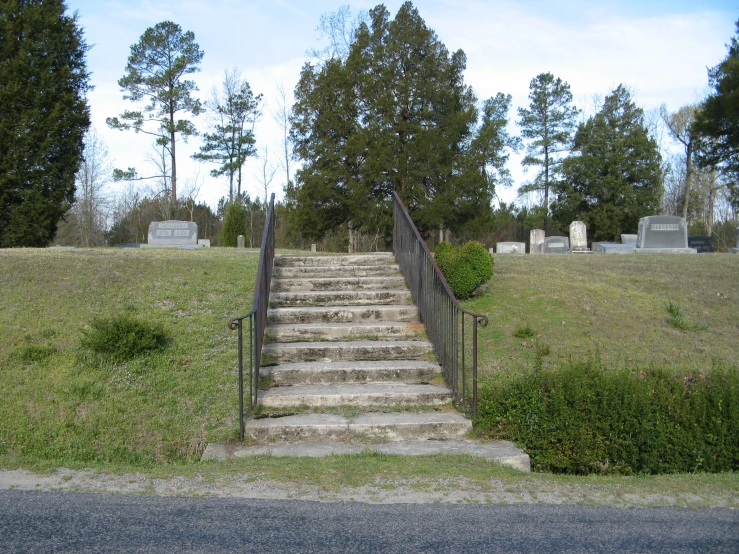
[
  {"x": 582, "y": 419},
  {"x": 524, "y": 332},
  {"x": 234, "y": 223},
  {"x": 122, "y": 337},
  {"x": 465, "y": 268}
]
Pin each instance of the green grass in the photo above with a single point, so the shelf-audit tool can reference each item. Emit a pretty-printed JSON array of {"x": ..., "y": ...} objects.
[
  {"x": 64, "y": 406},
  {"x": 614, "y": 305},
  {"x": 63, "y": 402}
]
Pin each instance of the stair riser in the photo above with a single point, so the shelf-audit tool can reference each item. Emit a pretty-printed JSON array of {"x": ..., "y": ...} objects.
[
  {"x": 337, "y": 271},
  {"x": 326, "y": 377},
  {"x": 416, "y": 431},
  {"x": 338, "y": 284},
  {"x": 333, "y": 261},
  {"x": 359, "y": 400},
  {"x": 330, "y": 334},
  {"x": 339, "y": 298},
  {"x": 344, "y": 314},
  {"x": 321, "y": 353}
]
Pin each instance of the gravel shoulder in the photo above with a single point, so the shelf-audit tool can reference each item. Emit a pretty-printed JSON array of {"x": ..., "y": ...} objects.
[{"x": 525, "y": 490}]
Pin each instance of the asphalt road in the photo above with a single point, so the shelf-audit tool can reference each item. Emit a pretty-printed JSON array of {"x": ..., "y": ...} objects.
[{"x": 78, "y": 522}]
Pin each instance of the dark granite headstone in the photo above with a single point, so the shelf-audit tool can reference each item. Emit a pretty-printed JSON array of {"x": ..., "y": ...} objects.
[
  {"x": 701, "y": 244},
  {"x": 556, "y": 245}
]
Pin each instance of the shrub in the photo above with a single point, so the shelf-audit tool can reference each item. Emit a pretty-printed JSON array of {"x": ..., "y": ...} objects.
[
  {"x": 234, "y": 223},
  {"x": 465, "y": 268},
  {"x": 583, "y": 419},
  {"x": 122, "y": 337}
]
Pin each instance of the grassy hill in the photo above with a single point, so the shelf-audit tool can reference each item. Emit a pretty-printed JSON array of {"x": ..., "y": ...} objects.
[{"x": 63, "y": 405}]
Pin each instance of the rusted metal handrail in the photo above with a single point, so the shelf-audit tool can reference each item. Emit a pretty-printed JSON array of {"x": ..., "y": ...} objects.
[
  {"x": 257, "y": 317},
  {"x": 438, "y": 308}
]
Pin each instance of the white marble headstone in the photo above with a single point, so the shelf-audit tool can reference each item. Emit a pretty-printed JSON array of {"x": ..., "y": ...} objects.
[
  {"x": 536, "y": 241},
  {"x": 578, "y": 236}
]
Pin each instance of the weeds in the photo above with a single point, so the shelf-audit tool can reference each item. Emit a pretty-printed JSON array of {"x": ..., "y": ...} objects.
[
  {"x": 676, "y": 318},
  {"x": 122, "y": 337}
]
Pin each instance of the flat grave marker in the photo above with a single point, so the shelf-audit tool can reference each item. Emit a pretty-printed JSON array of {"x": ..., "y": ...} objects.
[
  {"x": 172, "y": 233},
  {"x": 510, "y": 248},
  {"x": 556, "y": 245}
]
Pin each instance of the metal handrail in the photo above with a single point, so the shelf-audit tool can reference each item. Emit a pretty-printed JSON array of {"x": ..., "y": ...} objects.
[
  {"x": 438, "y": 308},
  {"x": 257, "y": 317}
]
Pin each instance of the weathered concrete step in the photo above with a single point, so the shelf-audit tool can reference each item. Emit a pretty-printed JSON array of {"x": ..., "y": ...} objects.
[
  {"x": 335, "y": 271},
  {"x": 503, "y": 452},
  {"x": 340, "y": 298},
  {"x": 387, "y": 426},
  {"x": 378, "y": 371},
  {"x": 379, "y": 258},
  {"x": 281, "y": 353},
  {"x": 343, "y": 314},
  {"x": 394, "y": 282},
  {"x": 372, "y": 394},
  {"x": 374, "y": 330}
]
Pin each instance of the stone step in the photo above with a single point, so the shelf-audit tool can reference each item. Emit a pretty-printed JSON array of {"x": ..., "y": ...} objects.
[
  {"x": 377, "y": 371},
  {"x": 378, "y": 258},
  {"x": 335, "y": 271},
  {"x": 503, "y": 452},
  {"x": 374, "y": 425},
  {"x": 342, "y": 394},
  {"x": 340, "y": 298},
  {"x": 369, "y": 330},
  {"x": 277, "y": 353},
  {"x": 394, "y": 282},
  {"x": 343, "y": 314}
]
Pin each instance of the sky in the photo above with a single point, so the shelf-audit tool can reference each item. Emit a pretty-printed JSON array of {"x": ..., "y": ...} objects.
[{"x": 660, "y": 49}]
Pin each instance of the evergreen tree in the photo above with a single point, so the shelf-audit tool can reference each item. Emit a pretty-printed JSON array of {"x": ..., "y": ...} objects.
[
  {"x": 43, "y": 117},
  {"x": 614, "y": 175},
  {"x": 548, "y": 124},
  {"x": 717, "y": 119},
  {"x": 394, "y": 114},
  {"x": 234, "y": 110},
  {"x": 156, "y": 73}
]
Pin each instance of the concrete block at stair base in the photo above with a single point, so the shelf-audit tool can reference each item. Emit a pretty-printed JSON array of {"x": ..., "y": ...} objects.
[
  {"x": 510, "y": 248},
  {"x": 501, "y": 452}
]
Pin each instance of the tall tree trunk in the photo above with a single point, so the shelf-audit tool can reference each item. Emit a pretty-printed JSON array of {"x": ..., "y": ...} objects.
[
  {"x": 546, "y": 190},
  {"x": 174, "y": 168},
  {"x": 688, "y": 175}
]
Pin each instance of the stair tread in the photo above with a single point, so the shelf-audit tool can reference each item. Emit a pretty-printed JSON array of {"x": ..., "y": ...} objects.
[
  {"x": 339, "y": 345},
  {"x": 362, "y": 419},
  {"x": 345, "y": 325},
  {"x": 367, "y": 389}
]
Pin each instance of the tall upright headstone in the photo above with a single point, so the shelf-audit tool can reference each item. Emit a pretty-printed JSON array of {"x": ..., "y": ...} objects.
[
  {"x": 735, "y": 250},
  {"x": 240, "y": 243},
  {"x": 536, "y": 241},
  {"x": 578, "y": 237}
]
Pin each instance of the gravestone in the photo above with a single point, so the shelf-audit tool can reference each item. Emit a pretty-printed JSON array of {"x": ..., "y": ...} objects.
[
  {"x": 204, "y": 243},
  {"x": 703, "y": 245},
  {"x": 735, "y": 250},
  {"x": 556, "y": 245},
  {"x": 510, "y": 248},
  {"x": 313, "y": 248},
  {"x": 595, "y": 246},
  {"x": 662, "y": 231},
  {"x": 173, "y": 234},
  {"x": 629, "y": 239},
  {"x": 578, "y": 237},
  {"x": 536, "y": 241},
  {"x": 240, "y": 241},
  {"x": 615, "y": 248}
]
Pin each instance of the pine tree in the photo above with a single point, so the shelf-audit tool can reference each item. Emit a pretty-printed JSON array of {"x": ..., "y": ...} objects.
[
  {"x": 548, "y": 124},
  {"x": 43, "y": 117},
  {"x": 614, "y": 175},
  {"x": 156, "y": 73}
]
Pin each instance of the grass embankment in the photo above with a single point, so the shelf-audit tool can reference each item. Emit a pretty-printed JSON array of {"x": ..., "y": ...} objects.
[
  {"x": 62, "y": 407},
  {"x": 63, "y": 403},
  {"x": 615, "y": 305},
  {"x": 614, "y": 365}
]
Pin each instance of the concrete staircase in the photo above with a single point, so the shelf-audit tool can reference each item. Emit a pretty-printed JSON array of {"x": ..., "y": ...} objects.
[{"x": 350, "y": 368}]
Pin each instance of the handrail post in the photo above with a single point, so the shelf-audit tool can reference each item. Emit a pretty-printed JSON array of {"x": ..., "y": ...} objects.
[{"x": 241, "y": 381}]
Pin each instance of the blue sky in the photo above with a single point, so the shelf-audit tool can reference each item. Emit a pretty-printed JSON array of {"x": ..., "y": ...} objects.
[{"x": 659, "y": 48}]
